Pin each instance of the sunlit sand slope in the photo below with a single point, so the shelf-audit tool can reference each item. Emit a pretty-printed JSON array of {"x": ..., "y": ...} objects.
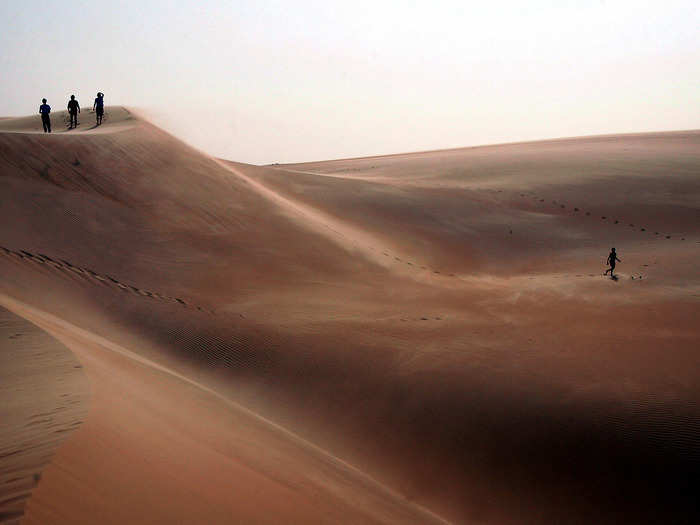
[
  {"x": 160, "y": 447},
  {"x": 433, "y": 329}
]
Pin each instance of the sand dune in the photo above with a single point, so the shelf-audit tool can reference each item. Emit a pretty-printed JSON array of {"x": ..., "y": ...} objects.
[{"x": 410, "y": 338}]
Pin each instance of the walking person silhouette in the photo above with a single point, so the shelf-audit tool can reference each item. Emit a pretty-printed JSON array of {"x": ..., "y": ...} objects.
[
  {"x": 612, "y": 258},
  {"x": 45, "y": 109},
  {"x": 73, "y": 110},
  {"x": 99, "y": 108}
]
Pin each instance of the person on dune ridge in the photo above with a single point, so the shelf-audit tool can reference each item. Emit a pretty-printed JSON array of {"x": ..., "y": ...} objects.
[
  {"x": 73, "y": 110},
  {"x": 99, "y": 108},
  {"x": 44, "y": 110},
  {"x": 612, "y": 258}
]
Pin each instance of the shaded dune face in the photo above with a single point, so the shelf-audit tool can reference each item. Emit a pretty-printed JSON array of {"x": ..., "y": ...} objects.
[
  {"x": 44, "y": 395},
  {"x": 437, "y": 320}
]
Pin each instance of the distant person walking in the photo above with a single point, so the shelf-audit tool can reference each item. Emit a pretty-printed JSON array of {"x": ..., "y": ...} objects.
[
  {"x": 73, "y": 110},
  {"x": 99, "y": 108},
  {"x": 612, "y": 258},
  {"x": 44, "y": 110}
]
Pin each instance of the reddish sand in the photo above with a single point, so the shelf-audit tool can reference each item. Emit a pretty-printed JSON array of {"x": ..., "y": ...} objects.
[{"x": 407, "y": 338}]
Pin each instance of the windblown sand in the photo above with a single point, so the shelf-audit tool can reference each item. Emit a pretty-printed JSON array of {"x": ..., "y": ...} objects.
[{"x": 413, "y": 338}]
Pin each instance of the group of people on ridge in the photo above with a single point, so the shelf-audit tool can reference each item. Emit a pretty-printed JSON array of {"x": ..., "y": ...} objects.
[{"x": 73, "y": 109}]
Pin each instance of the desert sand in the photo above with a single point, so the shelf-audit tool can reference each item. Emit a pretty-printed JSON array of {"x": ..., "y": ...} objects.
[{"x": 414, "y": 338}]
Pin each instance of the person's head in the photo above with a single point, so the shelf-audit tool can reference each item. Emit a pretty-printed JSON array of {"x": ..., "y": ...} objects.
[
  {"x": 100, "y": 95},
  {"x": 43, "y": 101},
  {"x": 72, "y": 97},
  {"x": 613, "y": 249}
]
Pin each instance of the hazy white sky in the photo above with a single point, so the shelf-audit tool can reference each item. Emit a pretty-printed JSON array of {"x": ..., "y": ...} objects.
[{"x": 276, "y": 81}]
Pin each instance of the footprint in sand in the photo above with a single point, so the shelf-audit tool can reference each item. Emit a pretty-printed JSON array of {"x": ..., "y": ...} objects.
[{"x": 65, "y": 265}]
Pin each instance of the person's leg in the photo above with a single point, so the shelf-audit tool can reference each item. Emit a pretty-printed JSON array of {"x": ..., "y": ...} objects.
[
  {"x": 48, "y": 122},
  {"x": 43, "y": 123}
]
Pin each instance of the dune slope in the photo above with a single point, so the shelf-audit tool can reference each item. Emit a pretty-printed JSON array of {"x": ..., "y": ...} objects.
[
  {"x": 391, "y": 339},
  {"x": 44, "y": 399}
]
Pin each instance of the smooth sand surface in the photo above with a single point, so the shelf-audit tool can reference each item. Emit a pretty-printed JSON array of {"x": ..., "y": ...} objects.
[{"x": 396, "y": 339}]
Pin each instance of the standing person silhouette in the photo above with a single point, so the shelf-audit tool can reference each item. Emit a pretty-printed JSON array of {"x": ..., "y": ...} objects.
[
  {"x": 612, "y": 258},
  {"x": 73, "y": 110},
  {"x": 45, "y": 109},
  {"x": 99, "y": 108}
]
